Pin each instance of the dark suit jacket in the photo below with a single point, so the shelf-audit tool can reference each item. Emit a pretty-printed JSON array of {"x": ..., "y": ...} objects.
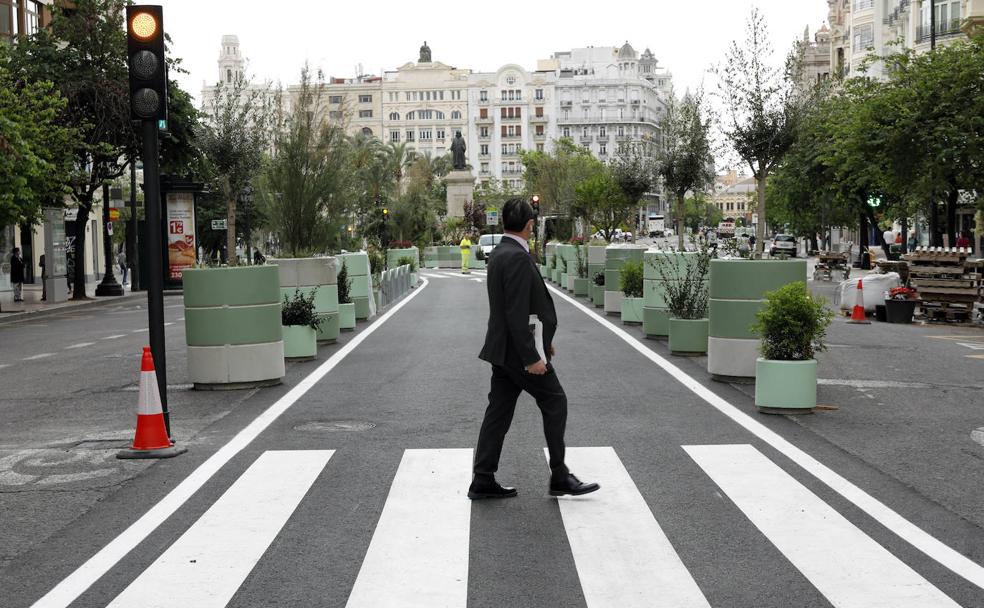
[{"x": 516, "y": 291}]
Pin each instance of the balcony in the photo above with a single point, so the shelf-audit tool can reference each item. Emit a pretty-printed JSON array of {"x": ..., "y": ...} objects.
[
  {"x": 603, "y": 139},
  {"x": 943, "y": 30},
  {"x": 485, "y": 173},
  {"x": 513, "y": 137},
  {"x": 539, "y": 136},
  {"x": 513, "y": 119},
  {"x": 566, "y": 104},
  {"x": 586, "y": 139},
  {"x": 539, "y": 119},
  {"x": 483, "y": 102},
  {"x": 486, "y": 120},
  {"x": 512, "y": 171},
  {"x": 485, "y": 135}
]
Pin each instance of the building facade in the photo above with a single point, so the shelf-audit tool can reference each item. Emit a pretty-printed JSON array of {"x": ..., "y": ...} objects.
[
  {"x": 23, "y": 18},
  {"x": 816, "y": 56},
  {"x": 861, "y": 29}
]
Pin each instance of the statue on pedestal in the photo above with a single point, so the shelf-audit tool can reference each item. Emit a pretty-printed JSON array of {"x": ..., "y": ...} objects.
[
  {"x": 425, "y": 54},
  {"x": 458, "y": 152}
]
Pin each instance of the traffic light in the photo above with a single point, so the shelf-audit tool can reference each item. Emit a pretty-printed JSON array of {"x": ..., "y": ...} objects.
[
  {"x": 145, "y": 59},
  {"x": 535, "y": 202}
]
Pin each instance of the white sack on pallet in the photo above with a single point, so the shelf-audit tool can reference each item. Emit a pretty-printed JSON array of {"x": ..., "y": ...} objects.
[{"x": 874, "y": 287}]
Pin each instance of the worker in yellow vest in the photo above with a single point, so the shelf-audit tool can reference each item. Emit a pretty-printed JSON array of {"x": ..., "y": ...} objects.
[{"x": 465, "y": 254}]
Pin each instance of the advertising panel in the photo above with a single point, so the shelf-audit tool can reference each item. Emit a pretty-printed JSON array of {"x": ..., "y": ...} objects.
[{"x": 181, "y": 245}]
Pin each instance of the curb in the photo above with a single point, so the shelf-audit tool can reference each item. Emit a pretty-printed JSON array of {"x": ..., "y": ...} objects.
[{"x": 96, "y": 303}]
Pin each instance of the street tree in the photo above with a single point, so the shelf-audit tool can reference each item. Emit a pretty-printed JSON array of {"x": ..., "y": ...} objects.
[
  {"x": 601, "y": 203},
  {"x": 235, "y": 136},
  {"x": 634, "y": 169},
  {"x": 686, "y": 162},
  {"x": 761, "y": 104}
]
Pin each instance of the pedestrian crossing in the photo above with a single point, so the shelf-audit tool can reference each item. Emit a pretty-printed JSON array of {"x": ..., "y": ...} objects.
[{"x": 418, "y": 554}]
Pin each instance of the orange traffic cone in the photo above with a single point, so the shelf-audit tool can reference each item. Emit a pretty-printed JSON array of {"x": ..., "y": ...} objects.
[
  {"x": 857, "y": 315},
  {"x": 150, "y": 439}
]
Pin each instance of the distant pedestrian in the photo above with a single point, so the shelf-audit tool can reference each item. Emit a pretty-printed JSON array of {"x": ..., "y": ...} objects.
[
  {"x": 519, "y": 345},
  {"x": 258, "y": 259},
  {"x": 964, "y": 240},
  {"x": 17, "y": 274},
  {"x": 124, "y": 269},
  {"x": 44, "y": 275},
  {"x": 751, "y": 242},
  {"x": 913, "y": 242}
]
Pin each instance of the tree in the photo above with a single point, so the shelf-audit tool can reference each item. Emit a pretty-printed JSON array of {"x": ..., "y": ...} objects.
[
  {"x": 633, "y": 169},
  {"x": 36, "y": 151},
  {"x": 307, "y": 176},
  {"x": 234, "y": 139},
  {"x": 686, "y": 163},
  {"x": 602, "y": 203},
  {"x": 698, "y": 211},
  {"x": 762, "y": 105}
]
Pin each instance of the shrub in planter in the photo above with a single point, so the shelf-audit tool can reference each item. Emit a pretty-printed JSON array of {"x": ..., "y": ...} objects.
[
  {"x": 901, "y": 305},
  {"x": 581, "y": 281},
  {"x": 793, "y": 325},
  {"x": 598, "y": 289},
  {"x": 684, "y": 282},
  {"x": 346, "y": 308},
  {"x": 300, "y": 326},
  {"x": 631, "y": 285}
]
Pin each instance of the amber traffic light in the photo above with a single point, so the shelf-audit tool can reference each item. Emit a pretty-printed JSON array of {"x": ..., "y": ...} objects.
[{"x": 146, "y": 62}]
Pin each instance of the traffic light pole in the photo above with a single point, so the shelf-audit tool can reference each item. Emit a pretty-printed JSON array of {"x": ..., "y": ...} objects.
[{"x": 155, "y": 259}]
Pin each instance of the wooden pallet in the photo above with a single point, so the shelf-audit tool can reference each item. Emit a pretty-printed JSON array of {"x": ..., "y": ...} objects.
[{"x": 945, "y": 313}]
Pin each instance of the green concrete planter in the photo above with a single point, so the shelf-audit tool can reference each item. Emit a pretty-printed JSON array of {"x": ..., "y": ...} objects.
[
  {"x": 785, "y": 387},
  {"x": 598, "y": 295},
  {"x": 656, "y": 322},
  {"x": 543, "y": 270},
  {"x": 563, "y": 280},
  {"x": 632, "y": 311},
  {"x": 569, "y": 286},
  {"x": 688, "y": 337},
  {"x": 346, "y": 316},
  {"x": 329, "y": 328},
  {"x": 393, "y": 256},
  {"x": 232, "y": 326},
  {"x": 555, "y": 275},
  {"x": 581, "y": 286},
  {"x": 300, "y": 342},
  {"x": 361, "y": 307}
]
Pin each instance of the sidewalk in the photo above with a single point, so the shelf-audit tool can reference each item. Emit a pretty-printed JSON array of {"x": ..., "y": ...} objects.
[{"x": 33, "y": 307}]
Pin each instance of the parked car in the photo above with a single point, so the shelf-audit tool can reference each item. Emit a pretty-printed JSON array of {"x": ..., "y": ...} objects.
[
  {"x": 487, "y": 242},
  {"x": 784, "y": 244}
]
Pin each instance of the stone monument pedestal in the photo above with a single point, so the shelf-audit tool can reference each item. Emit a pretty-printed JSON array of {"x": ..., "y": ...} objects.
[{"x": 461, "y": 185}]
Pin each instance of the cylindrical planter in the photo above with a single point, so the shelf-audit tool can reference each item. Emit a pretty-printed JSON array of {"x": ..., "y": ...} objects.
[
  {"x": 655, "y": 322},
  {"x": 555, "y": 275},
  {"x": 900, "y": 311},
  {"x": 300, "y": 342},
  {"x": 615, "y": 257},
  {"x": 317, "y": 275},
  {"x": 737, "y": 292},
  {"x": 346, "y": 316},
  {"x": 357, "y": 265},
  {"x": 656, "y": 315},
  {"x": 563, "y": 280},
  {"x": 785, "y": 387},
  {"x": 232, "y": 326},
  {"x": 569, "y": 286},
  {"x": 597, "y": 295},
  {"x": 688, "y": 337},
  {"x": 581, "y": 286},
  {"x": 631, "y": 311}
]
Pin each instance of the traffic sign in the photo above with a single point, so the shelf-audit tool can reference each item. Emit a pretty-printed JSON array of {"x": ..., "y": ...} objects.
[
  {"x": 492, "y": 217},
  {"x": 220, "y": 225}
]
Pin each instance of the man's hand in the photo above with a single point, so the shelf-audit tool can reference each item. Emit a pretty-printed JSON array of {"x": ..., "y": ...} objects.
[
  {"x": 553, "y": 351},
  {"x": 537, "y": 369}
]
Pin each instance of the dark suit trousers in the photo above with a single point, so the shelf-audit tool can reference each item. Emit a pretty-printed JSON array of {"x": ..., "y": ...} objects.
[{"x": 507, "y": 384}]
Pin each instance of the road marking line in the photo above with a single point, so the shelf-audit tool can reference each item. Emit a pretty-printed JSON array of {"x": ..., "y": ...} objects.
[
  {"x": 137, "y": 331},
  {"x": 846, "y": 565},
  {"x": 72, "y": 586},
  {"x": 879, "y": 511},
  {"x": 421, "y": 540},
  {"x": 863, "y": 385},
  {"x": 433, "y": 276},
  {"x": 206, "y": 566},
  {"x": 35, "y": 357},
  {"x": 3, "y": 365},
  {"x": 620, "y": 551},
  {"x": 169, "y": 323},
  {"x": 974, "y": 356},
  {"x": 79, "y": 345},
  {"x": 114, "y": 337},
  {"x": 972, "y": 345}
]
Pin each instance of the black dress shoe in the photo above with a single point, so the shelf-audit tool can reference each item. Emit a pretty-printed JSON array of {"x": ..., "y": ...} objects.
[
  {"x": 489, "y": 489},
  {"x": 572, "y": 486}
]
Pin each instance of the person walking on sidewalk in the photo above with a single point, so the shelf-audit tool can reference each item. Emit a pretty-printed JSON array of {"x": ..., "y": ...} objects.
[
  {"x": 44, "y": 275},
  {"x": 17, "y": 274},
  {"x": 124, "y": 269},
  {"x": 519, "y": 345}
]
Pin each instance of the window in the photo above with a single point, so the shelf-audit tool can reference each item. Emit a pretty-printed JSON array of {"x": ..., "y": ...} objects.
[
  {"x": 602, "y": 131},
  {"x": 484, "y": 131},
  {"x": 539, "y": 111},
  {"x": 483, "y": 95},
  {"x": 366, "y": 131},
  {"x": 621, "y": 131},
  {"x": 228, "y": 72},
  {"x": 485, "y": 169},
  {"x": 503, "y": 111},
  {"x": 512, "y": 95},
  {"x": 483, "y": 113},
  {"x": 335, "y": 99},
  {"x": 503, "y": 132},
  {"x": 567, "y": 131},
  {"x": 584, "y": 132},
  {"x": 409, "y": 96},
  {"x": 504, "y": 95},
  {"x": 425, "y": 135},
  {"x": 864, "y": 36},
  {"x": 519, "y": 130},
  {"x": 394, "y": 116},
  {"x": 602, "y": 150},
  {"x": 439, "y": 115},
  {"x": 441, "y": 95},
  {"x": 395, "y": 135},
  {"x": 455, "y": 115},
  {"x": 539, "y": 147},
  {"x": 410, "y": 115},
  {"x": 519, "y": 112},
  {"x": 483, "y": 150},
  {"x": 539, "y": 129},
  {"x": 365, "y": 113},
  {"x": 505, "y": 149},
  {"x": 440, "y": 134},
  {"x": 860, "y": 5},
  {"x": 365, "y": 98},
  {"x": 538, "y": 94},
  {"x": 410, "y": 135}
]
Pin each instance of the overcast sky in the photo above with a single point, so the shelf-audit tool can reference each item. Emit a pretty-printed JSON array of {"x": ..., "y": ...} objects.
[{"x": 687, "y": 36}]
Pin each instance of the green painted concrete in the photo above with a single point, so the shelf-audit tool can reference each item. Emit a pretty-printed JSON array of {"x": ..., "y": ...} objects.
[
  {"x": 733, "y": 318},
  {"x": 786, "y": 384},
  {"x": 232, "y": 325},
  {"x": 328, "y": 330},
  {"x": 750, "y": 279},
  {"x": 655, "y": 322},
  {"x": 688, "y": 336},
  {"x": 300, "y": 341},
  {"x": 232, "y": 286}
]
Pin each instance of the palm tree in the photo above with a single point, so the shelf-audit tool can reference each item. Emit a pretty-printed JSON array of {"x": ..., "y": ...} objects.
[{"x": 399, "y": 157}]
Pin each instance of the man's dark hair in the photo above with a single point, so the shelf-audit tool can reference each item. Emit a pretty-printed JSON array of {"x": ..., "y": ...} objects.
[{"x": 515, "y": 214}]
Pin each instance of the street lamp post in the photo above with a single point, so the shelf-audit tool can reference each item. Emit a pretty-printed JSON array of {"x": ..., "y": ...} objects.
[{"x": 109, "y": 286}]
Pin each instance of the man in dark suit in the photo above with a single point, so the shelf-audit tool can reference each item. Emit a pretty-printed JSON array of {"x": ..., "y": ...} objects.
[{"x": 519, "y": 345}]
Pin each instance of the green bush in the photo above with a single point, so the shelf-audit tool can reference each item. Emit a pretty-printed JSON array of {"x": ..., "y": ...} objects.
[
  {"x": 793, "y": 324},
  {"x": 407, "y": 261},
  {"x": 581, "y": 259},
  {"x": 631, "y": 279},
  {"x": 344, "y": 285},
  {"x": 299, "y": 310},
  {"x": 686, "y": 288},
  {"x": 599, "y": 279}
]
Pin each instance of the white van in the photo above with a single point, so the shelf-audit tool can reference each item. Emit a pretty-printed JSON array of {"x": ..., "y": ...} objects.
[{"x": 487, "y": 242}]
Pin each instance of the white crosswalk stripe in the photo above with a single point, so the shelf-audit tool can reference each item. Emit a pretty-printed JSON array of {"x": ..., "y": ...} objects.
[
  {"x": 206, "y": 566},
  {"x": 418, "y": 555},
  {"x": 621, "y": 553},
  {"x": 843, "y": 563},
  {"x": 421, "y": 540}
]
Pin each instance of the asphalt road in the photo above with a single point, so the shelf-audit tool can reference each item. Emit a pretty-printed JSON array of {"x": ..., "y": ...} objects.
[{"x": 351, "y": 492}]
